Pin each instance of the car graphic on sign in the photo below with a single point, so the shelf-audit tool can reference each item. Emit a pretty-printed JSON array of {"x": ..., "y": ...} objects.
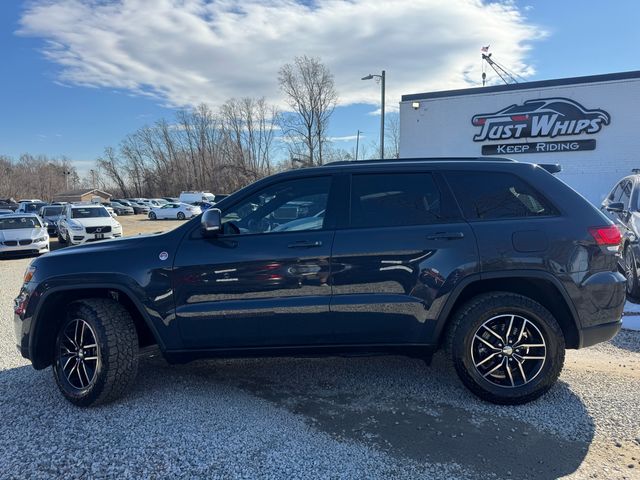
[{"x": 548, "y": 117}]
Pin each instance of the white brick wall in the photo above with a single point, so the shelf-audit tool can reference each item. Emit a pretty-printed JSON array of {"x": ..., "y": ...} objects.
[{"x": 442, "y": 127}]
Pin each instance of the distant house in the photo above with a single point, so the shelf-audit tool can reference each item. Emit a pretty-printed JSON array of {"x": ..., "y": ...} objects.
[{"x": 82, "y": 195}]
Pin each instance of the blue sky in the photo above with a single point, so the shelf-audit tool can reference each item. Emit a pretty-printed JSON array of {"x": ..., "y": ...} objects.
[{"x": 65, "y": 90}]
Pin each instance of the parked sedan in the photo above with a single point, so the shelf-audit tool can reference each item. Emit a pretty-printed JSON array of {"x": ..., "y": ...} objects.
[
  {"x": 122, "y": 209},
  {"x": 5, "y": 211},
  {"x": 622, "y": 206},
  {"x": 23, "y": 233},
  {"x": 137, "y": 206},
  {"x": 175, "y": 210}
]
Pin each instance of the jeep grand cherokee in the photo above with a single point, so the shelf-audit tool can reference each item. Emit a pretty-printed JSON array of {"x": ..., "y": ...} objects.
[{"x": 498, "y": 261}]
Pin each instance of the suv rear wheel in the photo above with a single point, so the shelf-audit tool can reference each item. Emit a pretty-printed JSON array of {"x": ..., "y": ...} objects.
[
  {"x": 506, "y": 348},
  {"x": 96, "y": 352}
]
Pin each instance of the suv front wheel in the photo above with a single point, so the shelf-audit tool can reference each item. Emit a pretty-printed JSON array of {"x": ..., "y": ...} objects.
[
  {"x": 96, "y": 352},
  {"x": 506, "y": 348}
]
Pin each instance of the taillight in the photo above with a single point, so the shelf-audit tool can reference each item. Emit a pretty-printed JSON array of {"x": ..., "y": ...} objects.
[
  {"x": 519, "y": 118},
  {"x": 606, "y": 236},
  {"x": 479, "y": 121}
]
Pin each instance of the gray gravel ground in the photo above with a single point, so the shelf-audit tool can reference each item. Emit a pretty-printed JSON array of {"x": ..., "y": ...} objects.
[{"x": 319, "y": 418}]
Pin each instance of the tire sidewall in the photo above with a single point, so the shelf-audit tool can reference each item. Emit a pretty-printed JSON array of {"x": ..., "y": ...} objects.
[
  {"x": 152, "y": 216},
  {"x": 181, "y": 216},
  {"x": 88, "y": 395},
  {"x": 461, "y": 353},
  {"x": 632, "y": 287}
]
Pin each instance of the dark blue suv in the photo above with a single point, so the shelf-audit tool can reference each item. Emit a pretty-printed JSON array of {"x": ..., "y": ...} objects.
[{"x": 497, "y": 261}]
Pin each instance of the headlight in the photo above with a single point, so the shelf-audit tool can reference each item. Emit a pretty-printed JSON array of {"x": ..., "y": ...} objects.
[
  {"x": 75, "y": 226},
  {"x": 40, "y": 239}
]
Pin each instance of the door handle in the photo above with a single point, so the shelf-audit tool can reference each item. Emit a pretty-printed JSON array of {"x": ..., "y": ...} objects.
[
  {"x": 446, "y": 236},
  {"x": 305, "y": 244}
]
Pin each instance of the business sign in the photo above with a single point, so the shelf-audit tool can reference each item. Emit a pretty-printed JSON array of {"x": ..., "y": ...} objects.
[
  {"x": 540, "y": 118},
  {"x": 539, "y": 147}
]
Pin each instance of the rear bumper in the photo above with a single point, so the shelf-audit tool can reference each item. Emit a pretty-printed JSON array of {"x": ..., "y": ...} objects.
[{"x": 600, "y": 333}]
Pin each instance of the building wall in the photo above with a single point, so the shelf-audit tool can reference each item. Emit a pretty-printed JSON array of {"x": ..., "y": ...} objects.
[{"x": 443, "y": 127}]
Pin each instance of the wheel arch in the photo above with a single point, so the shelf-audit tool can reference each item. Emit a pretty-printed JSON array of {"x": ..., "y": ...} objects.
[
  {"x": 539, "y": 286},
  {"x": 51, "y": 313}
]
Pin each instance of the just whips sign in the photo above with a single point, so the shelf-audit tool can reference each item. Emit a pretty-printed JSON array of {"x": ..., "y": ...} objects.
[{"x": 552, "y": 118}]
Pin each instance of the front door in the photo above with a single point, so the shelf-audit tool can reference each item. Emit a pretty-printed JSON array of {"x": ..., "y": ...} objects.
[
  {"x": 404, "y": 251},
  {"x": 264, "y": 281}
]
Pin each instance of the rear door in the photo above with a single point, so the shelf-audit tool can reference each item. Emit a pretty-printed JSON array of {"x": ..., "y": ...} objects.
[{"x": 404, "y": 250}]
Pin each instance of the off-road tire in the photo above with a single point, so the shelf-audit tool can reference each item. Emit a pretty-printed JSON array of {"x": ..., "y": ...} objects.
[
  {"x": 117, "y": 352},
  {"x": 471, "y": 316}
]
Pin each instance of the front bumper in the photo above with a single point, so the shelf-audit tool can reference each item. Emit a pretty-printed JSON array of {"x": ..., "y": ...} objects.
[
  {"x": 79, "y": 238},
  {"x": 38, "y": 247}
]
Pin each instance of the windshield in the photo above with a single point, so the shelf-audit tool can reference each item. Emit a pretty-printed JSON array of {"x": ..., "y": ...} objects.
[
  {"x": 89, "y": 212},
  {"x": 16, "y": 223},
  {"x": 33, "y": 207},
  {"x": 51, "y": 211}
]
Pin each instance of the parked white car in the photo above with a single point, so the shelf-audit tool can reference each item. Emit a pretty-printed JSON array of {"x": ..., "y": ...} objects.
[
  {"x": 23, "y": 233},
  {"x": 174, "y": 210},
  {"x": 87, "y": 223}
]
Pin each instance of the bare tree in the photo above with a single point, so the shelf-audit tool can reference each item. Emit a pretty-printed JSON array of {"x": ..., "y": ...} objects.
[
  {"x": 35, "y": 176},
  {"x": 392, "y": 136},
  {"x": 310, "y": 90}
]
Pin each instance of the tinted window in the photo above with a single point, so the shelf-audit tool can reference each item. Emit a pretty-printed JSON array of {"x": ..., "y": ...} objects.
[
  {"x": 50, "y": 211},
  {"x": 625, "y": 195},
  {"x": 489, "y": 195},
  {"x": 614, "y": 196},
  {"x": 381, "y": 200},
  {"x": 285, "y": 206}
]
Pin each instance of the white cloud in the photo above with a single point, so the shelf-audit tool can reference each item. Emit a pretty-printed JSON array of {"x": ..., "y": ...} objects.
[
  {"x": 346, "y": 138},
  {"x": 189, "y": 51}
]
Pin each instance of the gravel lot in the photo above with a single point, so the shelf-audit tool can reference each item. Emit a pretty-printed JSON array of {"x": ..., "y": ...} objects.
[{"x": 385, "y": 417}]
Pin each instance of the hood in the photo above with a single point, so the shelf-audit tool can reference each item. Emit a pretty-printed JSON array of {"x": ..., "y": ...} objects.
[
  {"x": 94, "y": 221},
  {"x": 104, "y": 245},
  {"x": 22, "y": 233}
]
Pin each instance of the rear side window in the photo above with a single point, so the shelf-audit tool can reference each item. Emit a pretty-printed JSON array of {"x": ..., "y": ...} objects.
[
  {"x": 384, "y": 200},
  {"x": 493, "y": 195}
]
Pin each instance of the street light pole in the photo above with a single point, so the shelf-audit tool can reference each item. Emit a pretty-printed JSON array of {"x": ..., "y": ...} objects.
[
  {"x": 357, "y": 143},
  {"x": 382, "y": 86}
]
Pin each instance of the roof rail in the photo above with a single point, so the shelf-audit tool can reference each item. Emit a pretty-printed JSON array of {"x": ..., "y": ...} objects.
[{"x": 430, "y": 159}]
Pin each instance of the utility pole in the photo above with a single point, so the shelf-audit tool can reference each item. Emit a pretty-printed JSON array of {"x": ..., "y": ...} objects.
[
  {"x": 357, "y": 143},
  {"x": 382, "y": 80}
]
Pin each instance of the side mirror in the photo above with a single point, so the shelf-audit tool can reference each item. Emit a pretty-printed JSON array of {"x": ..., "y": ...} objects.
[
  {"x": 46, "y": 224},
  {"x": 617, "y": 207},
  {"x": 211, "y": 222}
]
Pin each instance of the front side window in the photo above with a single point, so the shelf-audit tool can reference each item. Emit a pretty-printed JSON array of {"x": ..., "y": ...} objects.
[
  {"x": 385, "y": 200},
  {"x": 494, "y": 195},
  {"x": 626, "y": 192},
  {"x": 286, "y": 206}
]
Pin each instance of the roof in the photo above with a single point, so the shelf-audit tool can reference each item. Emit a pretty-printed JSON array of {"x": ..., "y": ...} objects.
[
  {"x": 81, "y": 192},
  {"x": 525, "y": 85},
  {"x": 14, "y": 215}
]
